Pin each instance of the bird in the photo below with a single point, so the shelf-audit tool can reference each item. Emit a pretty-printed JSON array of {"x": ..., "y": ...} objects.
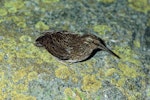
[{"x": 72, "y": 47}]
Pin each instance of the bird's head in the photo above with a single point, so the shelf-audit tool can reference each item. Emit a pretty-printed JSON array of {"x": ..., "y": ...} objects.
[{"x": 41, "y": 41}]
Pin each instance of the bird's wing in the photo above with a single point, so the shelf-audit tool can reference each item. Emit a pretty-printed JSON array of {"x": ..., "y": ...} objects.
[
  {"x": 58, "y": 46},
  {"x": 58, "y": 51}
]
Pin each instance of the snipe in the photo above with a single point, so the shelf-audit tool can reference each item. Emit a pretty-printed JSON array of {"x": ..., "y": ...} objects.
[{"x": 71, "y": 47}]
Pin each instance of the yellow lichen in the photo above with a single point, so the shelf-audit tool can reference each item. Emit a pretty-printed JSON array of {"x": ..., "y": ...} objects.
[
  {"x": 128, "y": 71},
  {"x": 32, "y": 75},
  {"x": 137, "y": 43},
  {"x": 63, "y": 72},
  {"x": 107, "y": 1},
  {"x": 110, "y": 71},
  {"x": 74, "y": 94},
  {"x": 128, "y": 55},
  {"x": 91, "y": 63},
  {"x": 2, "y": 78},
  {"x": 19, "y": 21},
  {"x": 46, "y": 57},
  {"x": 14, "y": 5},
  {"x": 140, "y": 5},
  {"x": 25, "y": 38},
  {"x": 41, "y": 25},
  {"x": 18, "y": 96},
  {"x": 18, "y": 75},
  {"x": 101, "y": 29},
  {"x": 3, "y": 12},
  {"x": 121, "y": 82},
  {"x": 68, "y": 92},
  {"x": 24, "y": 72},
  {"x": 13, "y": 90},
  {"x": 90, "y": 83},
  {"x": 18, "y": 4},
  {"x": 101, "y": 73},
  {"x": 20, "y": 87},
  {"x": 21, "y": 24},
  {"x": 1, "y": 57},
  {"x": 49, "y": 1},
  {"x": 74, "y": 79}
]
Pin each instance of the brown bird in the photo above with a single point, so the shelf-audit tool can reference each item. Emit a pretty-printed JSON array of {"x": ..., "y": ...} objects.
[{"x": 71, "y": 47}]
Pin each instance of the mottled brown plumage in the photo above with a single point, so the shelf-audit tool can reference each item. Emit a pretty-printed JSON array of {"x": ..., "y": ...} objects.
[{"x": 71, "y": 47}]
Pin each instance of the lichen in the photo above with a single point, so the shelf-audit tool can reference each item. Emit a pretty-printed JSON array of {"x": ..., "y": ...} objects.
[
  {"x": 17, "y": 96},
  {"x": 127, "y": 54},
  {"x": 101, "y": 29},
  {"x": 19, "y": 9},
  {"x": 25, "y": 38},
  {"x": 63, "y": 72},
  {"x": 110, "y": 72},
  {"x": 13, "y": 6},
  {"x": 128, "y": 71},
  {"x": 41, "y": 25},
  {"x": 15, "y": 89},
  {"x": 25, "y": 72},
  {"x": 90, "y": 83},
  {"x": 69, "y": 93},
  {"x": 22, "y": 62},
  {"x": 140, "y": 5},
  {"x": 137, "y": 43},
  {"x": 3, "y": 12},
  {"x": 13, "y": 54},
  {"x": 107, "y": 1},
  {"x": 50, "y": 1},
  {"x": 74, "y": 94}
]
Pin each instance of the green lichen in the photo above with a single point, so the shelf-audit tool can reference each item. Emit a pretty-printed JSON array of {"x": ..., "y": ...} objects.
[
  {"x": 90, "y": 83},
  {"x": 128, "y": 55},
  {"x": 25, "y": 38},
  {"x": 17, "y": 96},
  {"x": 101, "y": 29},
  {"x": 50, "y": 1},
  {"x": 3, "y": 12},
  {"x": 74, "y": 94},
  {"x": 14, "y": 5},
  {"x": 137, "y": 43},
  {"x": 107, "y": 1},
  {"x": 15, "y": 89},
  {"x": 140, "y": 5},
  {"x": 21, "y": 12},
  {"x": 19, "y": 21},
  {"x": 42, "y": 26},
  {"x": 128, "y": 70},
  {"x": 63, "y": 72},
  {"x": 14, "y": 52},
  {"x": 110, "y": 72}
]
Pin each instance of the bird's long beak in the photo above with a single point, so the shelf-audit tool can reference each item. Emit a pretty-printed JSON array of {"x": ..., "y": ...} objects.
[
  {"x": 102, "y": 47},
  {"x": 111, "y": 52}
]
